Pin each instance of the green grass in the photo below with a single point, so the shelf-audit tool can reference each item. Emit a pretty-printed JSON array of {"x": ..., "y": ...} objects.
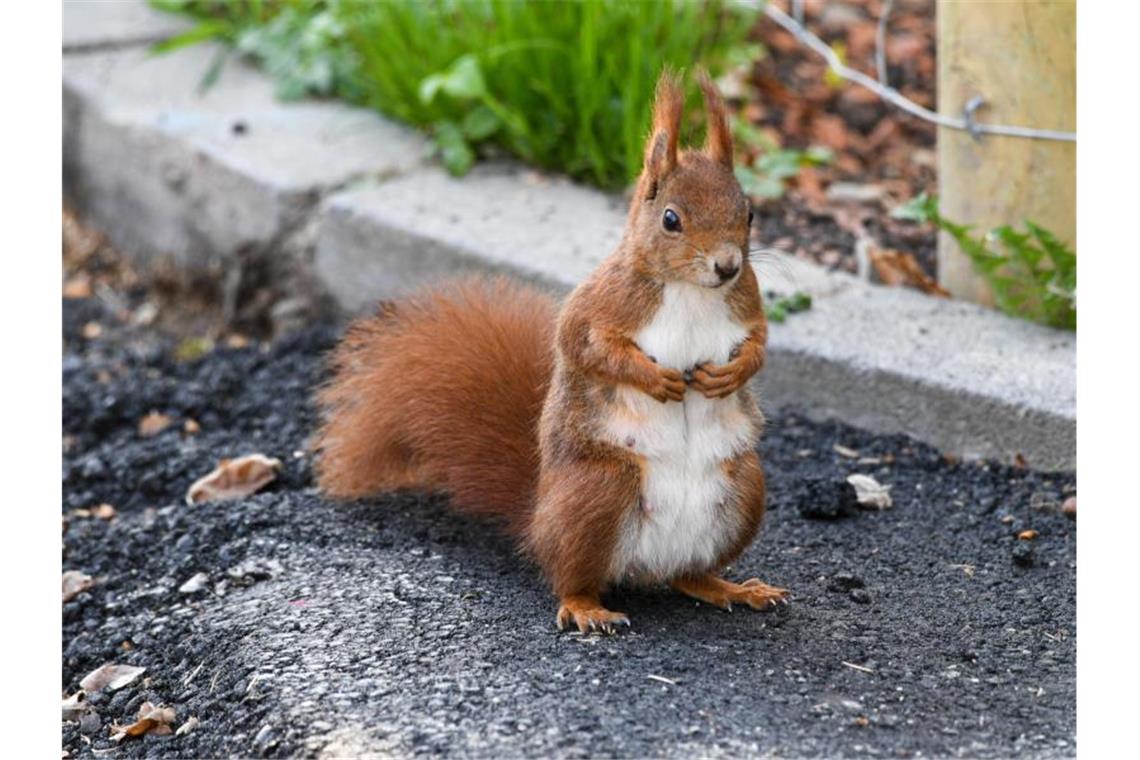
[
  {"x": 1032, "y": 273},
  {"x": 565, "y": 86}
]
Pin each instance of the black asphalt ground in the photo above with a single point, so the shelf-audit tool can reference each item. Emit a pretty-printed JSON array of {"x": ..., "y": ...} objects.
[{"x": 394, "y": 628}]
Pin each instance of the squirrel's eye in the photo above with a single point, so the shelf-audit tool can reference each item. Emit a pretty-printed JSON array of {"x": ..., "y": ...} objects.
[{"x": 671, "y": 221}]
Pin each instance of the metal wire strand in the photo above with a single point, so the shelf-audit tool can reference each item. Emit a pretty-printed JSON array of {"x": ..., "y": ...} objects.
[{"x": 965, "y": 123}]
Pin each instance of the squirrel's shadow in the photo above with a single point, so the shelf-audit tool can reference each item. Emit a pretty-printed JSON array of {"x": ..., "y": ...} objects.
[{"x": 421, "y": 521}]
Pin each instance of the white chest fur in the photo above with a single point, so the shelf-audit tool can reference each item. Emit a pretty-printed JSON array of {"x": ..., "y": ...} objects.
[{"x": 681, "y": 525}]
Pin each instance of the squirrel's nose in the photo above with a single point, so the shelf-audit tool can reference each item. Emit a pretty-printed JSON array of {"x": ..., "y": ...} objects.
[{"x": 727, "y": 272}]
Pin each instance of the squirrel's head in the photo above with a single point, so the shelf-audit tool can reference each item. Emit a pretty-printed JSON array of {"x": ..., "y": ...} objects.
[{"x": 689, "y": 219}]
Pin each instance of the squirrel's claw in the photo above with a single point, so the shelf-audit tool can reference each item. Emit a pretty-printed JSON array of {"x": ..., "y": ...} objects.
[{"x": 589, "y": 616}]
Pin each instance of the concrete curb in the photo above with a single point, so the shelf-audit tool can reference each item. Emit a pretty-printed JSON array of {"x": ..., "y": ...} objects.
[{"x": 214, "y": 180}]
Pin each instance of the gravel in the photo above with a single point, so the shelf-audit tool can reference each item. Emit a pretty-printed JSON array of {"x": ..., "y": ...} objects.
[{"x": 291, "y": 626}]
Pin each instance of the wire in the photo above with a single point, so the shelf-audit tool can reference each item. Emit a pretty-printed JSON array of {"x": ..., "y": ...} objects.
[{"x": 965, "y": 123}]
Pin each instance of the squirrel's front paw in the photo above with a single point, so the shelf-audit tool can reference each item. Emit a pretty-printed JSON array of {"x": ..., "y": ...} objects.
[
  {"x": 719, "y": 380},
  {"x": 589, "y": 615},
  {"x": 666, "y": 384}
]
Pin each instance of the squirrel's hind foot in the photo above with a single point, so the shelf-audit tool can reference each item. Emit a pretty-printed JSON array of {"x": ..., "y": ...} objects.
[
  {"x": 589, "y": 615},
  {"x": 715, "y": 590}
]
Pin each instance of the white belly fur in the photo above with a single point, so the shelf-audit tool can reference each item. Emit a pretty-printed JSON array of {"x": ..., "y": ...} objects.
[{"x": 683, "y": 443}]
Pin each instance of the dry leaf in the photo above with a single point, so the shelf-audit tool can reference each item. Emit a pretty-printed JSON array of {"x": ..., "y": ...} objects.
[
  {"x": 899, "y": 268},
  {"x": 75, "y": 583},
  {"x": 869, "y": 492},
  {"x": 152, "y": 720},
  {"x": 110, "y": 676},
  {"x": 830, "y": 130},
  {"x": 1069, "y": 507},
  {"x": 188, "y": 726},
  {"x": 844, "y": 451},
  {"x": 1027, "y": 535},
  {"x": 153, "y": 424},
  {"x": 103, "y": 511},
  {"x": 810, "y": 185},
  {"x": 77, "y": 287},
  {"x": 234, "y": 479},
  {"x": 92, "y": 330},
  {"x": 75, "y": 706},
  {"x": 191, "y": 427}
]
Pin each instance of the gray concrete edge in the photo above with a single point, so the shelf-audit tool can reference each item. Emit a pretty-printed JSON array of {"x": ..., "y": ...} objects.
[{"x": 350, "y": 247}]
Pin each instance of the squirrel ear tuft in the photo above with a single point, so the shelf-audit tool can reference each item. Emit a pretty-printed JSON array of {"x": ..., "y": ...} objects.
[
  {"x": 661, "y": 148},
  {"x": 718, "y": 144}
]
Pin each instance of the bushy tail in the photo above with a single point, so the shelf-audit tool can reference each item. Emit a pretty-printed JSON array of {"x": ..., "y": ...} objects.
[{"x": 442, "y": 390}]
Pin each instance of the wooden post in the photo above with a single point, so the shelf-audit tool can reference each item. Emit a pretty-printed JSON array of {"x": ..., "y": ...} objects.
[{"x": 1020, "y": 55}]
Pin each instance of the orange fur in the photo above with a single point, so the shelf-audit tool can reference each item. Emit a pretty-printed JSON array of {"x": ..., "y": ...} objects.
[
  {"x": 442, "y": 390},
  {"x": 661, "y": 147},
  {"x": 482, "y": 389},
  {"x": 718, "y": 144}
]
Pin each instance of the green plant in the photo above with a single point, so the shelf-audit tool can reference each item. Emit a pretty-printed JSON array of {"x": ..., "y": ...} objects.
[
  {"x": 1032, "y": 274},
  {"x": 300, "y": 43},
  {"x": 565, "y": 86},
  {"x": 778, "y": 309},
  {"x": 767, "y": 175}
]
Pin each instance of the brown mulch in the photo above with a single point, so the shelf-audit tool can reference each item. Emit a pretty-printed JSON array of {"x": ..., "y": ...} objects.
[
  {"x": 879, "y": 151},
  {"x": 94, "y": 270}
]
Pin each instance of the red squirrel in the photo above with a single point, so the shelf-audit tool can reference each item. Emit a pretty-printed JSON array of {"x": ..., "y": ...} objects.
[{"x": 615, "y": 438}]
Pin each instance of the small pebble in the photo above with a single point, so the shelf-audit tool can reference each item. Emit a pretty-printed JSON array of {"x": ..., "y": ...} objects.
[
  {"x": 195, "y": 584},
  {"x": 827, "y": 499},
  {"x": 844, "y": 582},
  {"x": 1023, "y": 554},
  {"x": 264, "y": 735},
  {"x": 860, "y": 595},
  {"x": 90, "y": 722}
]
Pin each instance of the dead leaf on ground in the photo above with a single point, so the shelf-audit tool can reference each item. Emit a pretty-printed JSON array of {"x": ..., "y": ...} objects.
[
  {"x": 103, "y": 512},
  {"x": 92, "y": 330},
  {"x": 76, "y": 706},
  {"x": 191, "y": 427},
  {"x": 75, "y": 583},
  {"x": 110, "y": 676},
  {"x": 869, "y": 492},
  {"x": 152, "y": 720},
  {"x": 845, "y": 451},
  {"x": 234, "y": 479},
  {"x": 1069, "y": 507},
  {"x": 153, "y": 424},
  {"x": 901, "y": 268},
  {"x": 809, "y": 184},
  {"x": 1027, "y": 535},
  {"x": 77, "y": 287},
  {"x": 831, "y": 131}
]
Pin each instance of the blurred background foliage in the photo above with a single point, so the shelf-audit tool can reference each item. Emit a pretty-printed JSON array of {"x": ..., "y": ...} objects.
[
  {"x": 568, "y": 86},
  {"x": 564, "y": 86}
]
